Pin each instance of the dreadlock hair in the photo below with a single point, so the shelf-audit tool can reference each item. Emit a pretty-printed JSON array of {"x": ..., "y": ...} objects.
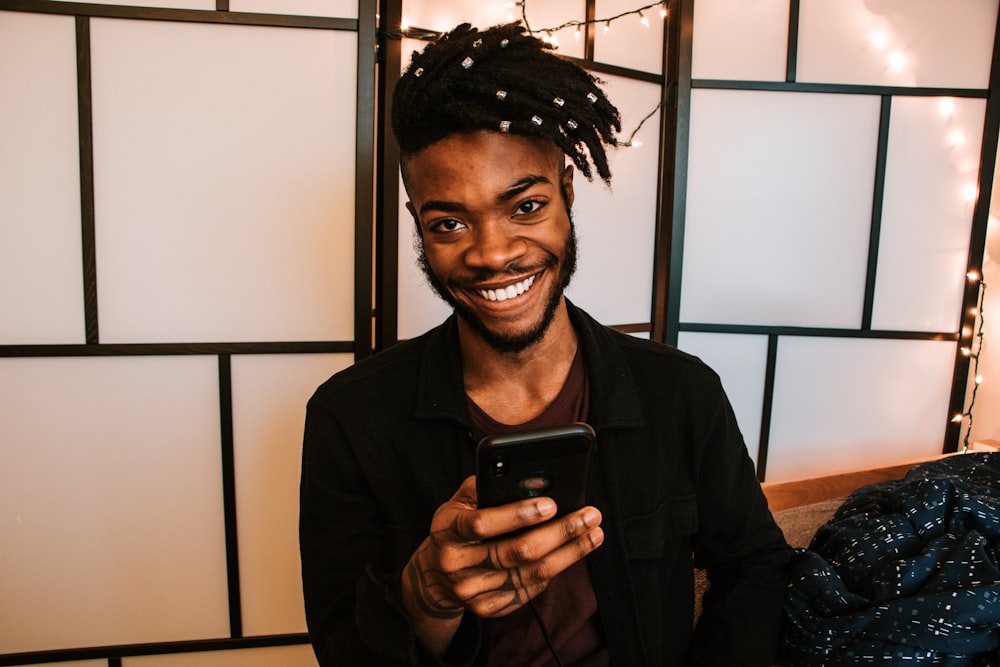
[{"x": 503, "y": 80}]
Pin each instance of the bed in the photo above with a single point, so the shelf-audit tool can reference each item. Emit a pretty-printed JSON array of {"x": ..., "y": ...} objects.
[{"x": 894, "y": 565}]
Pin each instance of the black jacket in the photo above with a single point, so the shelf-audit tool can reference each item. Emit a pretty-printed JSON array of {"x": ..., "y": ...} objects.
[{"x": 388, "y": 440}]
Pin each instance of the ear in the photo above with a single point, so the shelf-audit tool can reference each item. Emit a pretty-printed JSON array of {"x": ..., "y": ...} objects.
[
  {"x": 567, "y": 184},
  {"x": 413, "y": 214}
]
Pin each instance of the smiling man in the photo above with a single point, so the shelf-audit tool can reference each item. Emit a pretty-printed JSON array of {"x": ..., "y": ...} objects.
[{"x": 400, "y": 564}]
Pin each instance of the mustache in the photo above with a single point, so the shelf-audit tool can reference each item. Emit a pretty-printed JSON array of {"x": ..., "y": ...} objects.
[{"x": 480, "y": 276}]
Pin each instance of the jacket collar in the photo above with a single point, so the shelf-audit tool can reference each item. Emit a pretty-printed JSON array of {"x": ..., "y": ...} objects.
[{"x": 614, "y": 399}]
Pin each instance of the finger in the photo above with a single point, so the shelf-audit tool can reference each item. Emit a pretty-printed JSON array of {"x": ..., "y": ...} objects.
[
  {"x": 502, "y": 601},
  {"x": 491, "y": 522},
  {"x": 528, "y": 578},
  {"x": 466, "y": 496},
  {"x": 535, "y": 544}
]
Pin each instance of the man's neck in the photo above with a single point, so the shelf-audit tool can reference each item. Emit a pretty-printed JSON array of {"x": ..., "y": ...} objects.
[{"x": 514, "y": 387}]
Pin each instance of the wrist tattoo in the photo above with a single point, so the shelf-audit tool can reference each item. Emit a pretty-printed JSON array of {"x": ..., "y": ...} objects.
[{"x": 421, "y": 586}]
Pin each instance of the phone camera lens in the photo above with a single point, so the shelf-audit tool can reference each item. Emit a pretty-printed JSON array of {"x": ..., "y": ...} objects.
[{"x": 499, "y": 468}]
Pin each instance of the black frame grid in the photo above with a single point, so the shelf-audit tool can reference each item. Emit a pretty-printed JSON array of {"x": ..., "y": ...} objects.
[
  {"x": 361, "y": 346},
  {"x": 674, "y": 325}
]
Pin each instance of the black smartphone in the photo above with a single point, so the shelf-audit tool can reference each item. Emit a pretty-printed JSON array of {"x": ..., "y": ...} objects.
[{"x": 553, "y": 462}]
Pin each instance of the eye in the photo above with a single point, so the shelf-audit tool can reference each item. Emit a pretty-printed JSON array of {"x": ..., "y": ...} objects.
[
  {"x": 446, "y": 225},
  {"x": 528, "y": 206}
]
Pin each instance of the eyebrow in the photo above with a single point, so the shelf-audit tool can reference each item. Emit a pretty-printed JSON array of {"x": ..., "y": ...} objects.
[
  {"x": 520, "y": 186},
  {"x": 511, "y": 192}
]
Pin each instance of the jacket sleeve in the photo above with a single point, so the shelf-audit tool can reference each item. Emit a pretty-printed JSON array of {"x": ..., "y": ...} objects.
[
  {"x": 353, "y": 606},
  {"x": 744, "y": 553}
]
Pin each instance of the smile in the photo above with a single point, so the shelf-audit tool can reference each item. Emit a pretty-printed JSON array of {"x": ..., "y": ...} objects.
[{"x": 509, "y": 292}]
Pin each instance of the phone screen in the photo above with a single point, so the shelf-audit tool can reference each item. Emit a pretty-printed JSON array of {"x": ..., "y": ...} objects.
[{"x": 553, "y": 462}]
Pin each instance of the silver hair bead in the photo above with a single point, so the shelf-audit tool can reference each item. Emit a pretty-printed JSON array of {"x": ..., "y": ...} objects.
[
  {"x": 592, "y": 97},
  {"x": 501, "y": 95},
  {"x": 504, "y": 42},
  {"x": 505, "y": 126},
  {"x": 418, "y": 72},
  {"x": 478, "y": 42},
  {"x": 536, "y": 120},
  {"x": 571, "y": 124},
  {"x": 467, "y": 63},
  {"x": 558, "y": 101}
]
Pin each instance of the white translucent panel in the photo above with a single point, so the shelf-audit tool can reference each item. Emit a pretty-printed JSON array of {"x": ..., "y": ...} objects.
[
  {"x": 443, "y": 15},
  {"x": 628, "y": 42},
  {"x": 897, "y": 42},
  {"x": 778, "y": 207},
  {"x": 986, "y": 418},
  {"x": 269, "y": 407},
  {"x": 741, "y": 362},
  {"x": 615, "y": 229},
  {"x": 419, "y": 307},
  {"x": 41, "y": 274},
  {"x": 333, "y": 8},
  {"x": 160, "y": 4},
  {"x": 847, "y": 404},
  {"x": 111, "y": 516},
  {"x": 743, "y": 40},
  {"x": 224, "y": 171},
  {"x": 932, "y": 170},
  {"x": 286, "y": 656}
]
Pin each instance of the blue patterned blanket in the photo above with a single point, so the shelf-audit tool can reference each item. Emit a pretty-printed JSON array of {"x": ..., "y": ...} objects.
[{"x": 905, "y": 573}]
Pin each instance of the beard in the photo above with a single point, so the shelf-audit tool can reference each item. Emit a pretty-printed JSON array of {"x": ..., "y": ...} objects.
[{"x": 514, "y": 342}]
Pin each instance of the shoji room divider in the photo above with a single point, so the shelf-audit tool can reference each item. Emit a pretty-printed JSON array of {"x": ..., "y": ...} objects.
[
  {"x": 838, "y": 166},
  {"x": 200, "y": 215},
  {"x": 186, "y": 225}
]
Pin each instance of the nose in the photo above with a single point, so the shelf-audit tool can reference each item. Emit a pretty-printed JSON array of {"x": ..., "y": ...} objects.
[{"x": 494, "y": 246}]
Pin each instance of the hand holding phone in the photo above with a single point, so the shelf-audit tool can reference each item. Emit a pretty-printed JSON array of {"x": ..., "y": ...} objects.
[{"x": 552, "y": 462}]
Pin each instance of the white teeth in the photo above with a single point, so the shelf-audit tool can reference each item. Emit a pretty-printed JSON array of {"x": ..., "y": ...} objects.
[{"x": 510, "y": 292}]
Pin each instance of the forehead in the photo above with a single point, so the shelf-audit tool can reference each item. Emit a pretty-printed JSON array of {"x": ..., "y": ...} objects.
[{"x": 482, "y": 161}]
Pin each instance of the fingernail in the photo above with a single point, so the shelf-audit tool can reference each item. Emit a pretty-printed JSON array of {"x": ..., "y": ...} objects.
[
  {"x": 545, "y": 506},
  {"x": 597, "y": 537},
  {"x": 591, "y": 518}
]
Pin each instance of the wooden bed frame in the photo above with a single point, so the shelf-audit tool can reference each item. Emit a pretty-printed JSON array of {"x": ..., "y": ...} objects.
[{"x": 785, "y": 495}]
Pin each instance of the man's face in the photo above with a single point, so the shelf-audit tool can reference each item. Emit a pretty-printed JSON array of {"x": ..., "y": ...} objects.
[{"x": 497, "y": 240}]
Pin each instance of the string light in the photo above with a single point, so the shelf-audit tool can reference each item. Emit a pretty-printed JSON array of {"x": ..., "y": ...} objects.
[
  {"x": 548, "y": 36},
  {"x": 523, "y": 4},
  {"x": 973, "y": 351}
]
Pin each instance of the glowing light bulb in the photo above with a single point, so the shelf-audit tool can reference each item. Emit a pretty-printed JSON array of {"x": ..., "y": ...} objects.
[
  {"x": 643, "y": 20},
  {"x": 663, "y": 12},
  {"x": 956, "y": 138},
  {"x": 969, "y": 193},
  {"x": 577, "y": 33},
  {"x": 607, "y": 27},
  {"x": 897, "y": 61},
  {"x": 878, "y": 39},
  {"x": 957, "y": 419},
  {"x": 979, "y": 379},
  {"x": 973, "y": 275},
  {"x": 404, "y": 26},
  {"x": 946, "y": 107},
  {"x": 966, "y": 352}
]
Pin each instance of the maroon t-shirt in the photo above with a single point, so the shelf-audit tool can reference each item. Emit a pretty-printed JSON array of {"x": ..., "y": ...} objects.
[{"x": 568, "y": 607}]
